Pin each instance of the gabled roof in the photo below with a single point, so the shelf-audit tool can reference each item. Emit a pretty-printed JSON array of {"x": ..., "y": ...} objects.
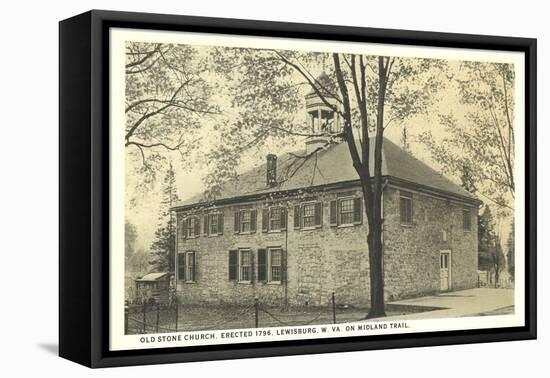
[
  {"x": 151, "y": 277},
  {"x": 333, "y": 165}
]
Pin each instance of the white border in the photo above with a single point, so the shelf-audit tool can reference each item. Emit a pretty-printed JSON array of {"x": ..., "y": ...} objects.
[{"x": 119, "y": 341}]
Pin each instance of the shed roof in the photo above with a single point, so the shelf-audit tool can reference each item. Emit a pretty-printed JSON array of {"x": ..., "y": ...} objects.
[{"x": 149, "y": 277}]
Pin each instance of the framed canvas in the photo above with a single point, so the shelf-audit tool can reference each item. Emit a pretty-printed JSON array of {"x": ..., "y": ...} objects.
[{"x": 235, "y": 188}]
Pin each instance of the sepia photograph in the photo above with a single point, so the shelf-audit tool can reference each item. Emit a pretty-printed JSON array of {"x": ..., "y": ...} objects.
[{"x": 276, "y": 189}]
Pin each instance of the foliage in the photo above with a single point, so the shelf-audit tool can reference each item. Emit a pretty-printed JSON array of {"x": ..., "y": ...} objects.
[
  {"x": 490, "y": 254},
  {"x": 130, "y": 238},
  {"x": 482, "y": 141},
  {"x": 510, "y": 257},
  {"x": 164, "y": 245},
  {"x": 485, "y": 238},
  {"x": 371, "y": 92},
  {"x": 135, "y": 259},
  {"x": 167, "y": 99}
]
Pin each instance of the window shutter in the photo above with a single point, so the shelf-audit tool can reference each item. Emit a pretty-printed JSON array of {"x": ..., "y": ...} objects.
[
  {"x": 197, "y": 226},
  {"x": 334, "y": 213},
  {"x": 184, "y": 228},
  {"x": 233, "y": 264},
  {"x": 206, "y": 229},
  {"x": 283, "y": 218},
  {"x": 252, "y": 220},
  {"x": 262, "y": 265},
  {"x": 318, "y": 214},
  {"x": 236, "y": 224},
  {"x": 220, "y": 224},
  {"x": 265, "y": 219},
  {"x": 283, "y": 266},
  {"x": 297, "y": 216},
  {"x": 193, "y": 261},
  {"x": 357, "y": 210},
  {"x": 405, "y": 207},
  {"x": 181, "y": 266},
  {"x": 402, "y": 210},
  {"x": 252, "y": 268}
]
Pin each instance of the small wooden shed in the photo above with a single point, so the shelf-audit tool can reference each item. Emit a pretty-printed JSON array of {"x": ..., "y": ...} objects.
[{"x": 153, "y": 288}]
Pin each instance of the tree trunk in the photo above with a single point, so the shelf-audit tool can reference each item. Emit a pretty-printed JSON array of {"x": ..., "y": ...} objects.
[
  {"x": 376, "y": 276},
  {"x": 374, "y": 242}
]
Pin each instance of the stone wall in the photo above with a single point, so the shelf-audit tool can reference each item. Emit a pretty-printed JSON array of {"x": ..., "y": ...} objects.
[
  {"x": 412, "y": 252},
  {"x": 335, "y": 259}
]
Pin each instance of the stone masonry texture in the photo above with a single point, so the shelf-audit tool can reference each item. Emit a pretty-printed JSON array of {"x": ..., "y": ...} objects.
[{"x": 335, "y": 259}]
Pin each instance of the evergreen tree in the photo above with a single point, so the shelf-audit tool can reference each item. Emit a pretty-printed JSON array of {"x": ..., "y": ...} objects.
[
  {"x": 490, "y": 255},
  {"x": 130, "y": 240},
  {"x": 485, "y": 238},
  {"x": 498, "y": 259},
  {"x": 511, "y": 252},
  {"x": 164, "y": 244}
]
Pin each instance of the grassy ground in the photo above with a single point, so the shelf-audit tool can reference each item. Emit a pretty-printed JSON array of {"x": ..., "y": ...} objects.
[{"x": 195, "y": 318}]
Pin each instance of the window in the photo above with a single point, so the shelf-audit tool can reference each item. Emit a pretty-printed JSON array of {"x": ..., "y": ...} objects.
[
  {"x": 190, "y": 273},
  {"x": 466, "y": 220},
  {"x": 191, "y": 227},
  {"x": 346, "y": 211},
  {"x": 274, "y": 219},
  {"x": 405, "y": 207},
  {"x": 270, "y": 265},
  {"x": 186, "y": 266},
  {"x": 213, "y": 224},
  {"x": 275, "y": 264},
  {"x": 444, "y": 261},
  {"x": 245, "y": 221},
  {"x": 245, "y": 266},
  {"x": 308, "y": 215}
]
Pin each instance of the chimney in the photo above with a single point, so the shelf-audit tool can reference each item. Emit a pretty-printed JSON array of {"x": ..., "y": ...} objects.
[{"x": 271, "y": 170}]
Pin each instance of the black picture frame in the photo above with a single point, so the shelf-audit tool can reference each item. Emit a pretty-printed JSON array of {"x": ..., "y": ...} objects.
[{"x": 84, "y": 187}]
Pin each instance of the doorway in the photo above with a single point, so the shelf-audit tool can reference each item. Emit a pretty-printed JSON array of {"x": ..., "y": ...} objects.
[{"x": 445, "y": 270}]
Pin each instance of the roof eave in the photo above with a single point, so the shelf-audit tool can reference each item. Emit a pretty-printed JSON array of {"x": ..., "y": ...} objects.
[
  {"x": 431, "y": 190},
  {"x": 342, "y": 184}
]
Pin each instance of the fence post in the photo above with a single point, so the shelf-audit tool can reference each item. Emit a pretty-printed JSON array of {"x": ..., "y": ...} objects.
[
  {"x": 177, "y": 315},
  {"x": 158, "y": 317},
  {"x": 126, "y": 314},
  {"x": 144, "y": 316},
  {"x": 333, "y": 309},
  {"x": 256, "y": 312}
]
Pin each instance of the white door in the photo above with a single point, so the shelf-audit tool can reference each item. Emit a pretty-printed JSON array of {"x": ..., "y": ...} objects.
[{"x": 444, "y": 269}]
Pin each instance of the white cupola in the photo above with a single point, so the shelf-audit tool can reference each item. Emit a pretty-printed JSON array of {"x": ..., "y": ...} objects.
[{"x": 324, "y": 123}]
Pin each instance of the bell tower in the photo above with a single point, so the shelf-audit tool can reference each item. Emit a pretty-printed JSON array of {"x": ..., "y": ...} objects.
[{"x": 323, "y": 122}]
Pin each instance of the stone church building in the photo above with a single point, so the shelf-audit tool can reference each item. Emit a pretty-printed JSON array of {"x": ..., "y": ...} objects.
[{"x": 292, "y": 232}]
